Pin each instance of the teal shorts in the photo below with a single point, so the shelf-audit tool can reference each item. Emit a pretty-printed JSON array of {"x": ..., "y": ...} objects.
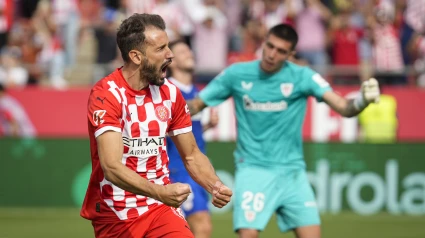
[{"x": 260, "y": 192}]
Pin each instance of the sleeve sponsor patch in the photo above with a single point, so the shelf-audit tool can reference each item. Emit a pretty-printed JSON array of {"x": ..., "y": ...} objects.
[
  {"x": 98, "y": 117},
  {"x": 320, "y": 80}
]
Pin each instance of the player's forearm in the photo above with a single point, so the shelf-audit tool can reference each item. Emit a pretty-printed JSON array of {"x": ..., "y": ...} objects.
[
  {"x": 350, "y": 110},
  {"x": 354, "y": 106},
  {"x": 195, "y": 105},
  {"x": 201, "y": 170},
  {"x": 345, "y": 107},
  {"x": 128, "y": 180},
  {"x": 206, "y": 127}
]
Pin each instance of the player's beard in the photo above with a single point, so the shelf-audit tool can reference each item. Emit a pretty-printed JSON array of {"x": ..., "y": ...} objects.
[{"x": 151, "y": 74}]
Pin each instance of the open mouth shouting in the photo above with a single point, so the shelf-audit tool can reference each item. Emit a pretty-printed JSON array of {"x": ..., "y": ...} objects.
[{"x": 164, "y": 68}]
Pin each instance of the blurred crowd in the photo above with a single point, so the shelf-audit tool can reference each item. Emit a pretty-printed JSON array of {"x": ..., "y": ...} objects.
[{"x": 347, "y": 41}]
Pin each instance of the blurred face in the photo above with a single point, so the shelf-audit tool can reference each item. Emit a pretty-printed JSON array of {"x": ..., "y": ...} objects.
[
  {"x": 183, "y": 59},
  {"x": 8, "y": 61},
  {"x": 157, "y": 57},
  {"x": 272, "y": 5},
  {"x": 345, "y": 19},
  {"x": 275, "y": 52}
]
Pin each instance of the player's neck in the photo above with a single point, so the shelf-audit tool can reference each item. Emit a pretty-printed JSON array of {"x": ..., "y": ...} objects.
[
  {"x": 183, "y": 77},
  {"x": 131, "y": 74}
]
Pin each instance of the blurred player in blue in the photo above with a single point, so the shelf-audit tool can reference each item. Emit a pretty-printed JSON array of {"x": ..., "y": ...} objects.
[
  {"x": 270, "y": 98},
  {"x": 195, "y": 207}
]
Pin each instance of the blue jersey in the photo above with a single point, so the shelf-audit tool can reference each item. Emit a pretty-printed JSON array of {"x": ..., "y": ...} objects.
[
  {"x": 176, "y": 164},
  {"x": 270, "y": 110}
]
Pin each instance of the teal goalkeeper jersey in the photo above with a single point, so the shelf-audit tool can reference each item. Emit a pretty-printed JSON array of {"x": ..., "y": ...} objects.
[{"x": 270, "y": 110}]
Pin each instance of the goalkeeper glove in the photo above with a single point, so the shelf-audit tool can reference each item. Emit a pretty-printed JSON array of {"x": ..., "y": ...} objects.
[{"x": 369, "y": 92}]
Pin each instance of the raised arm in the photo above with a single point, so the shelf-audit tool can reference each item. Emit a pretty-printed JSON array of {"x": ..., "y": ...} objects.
[
  {"x": 110, "y": 149},
  {"x": 200, "y": 168},
  {"x": 369, "y": 92}
]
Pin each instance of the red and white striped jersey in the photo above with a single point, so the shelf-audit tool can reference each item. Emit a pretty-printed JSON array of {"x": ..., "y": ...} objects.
[
  {"x": 387, "y": 50},
  {"x": 144, "y": 118}
]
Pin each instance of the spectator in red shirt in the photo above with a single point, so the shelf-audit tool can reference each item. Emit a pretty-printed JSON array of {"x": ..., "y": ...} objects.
[{"x": 344, "y": 39}]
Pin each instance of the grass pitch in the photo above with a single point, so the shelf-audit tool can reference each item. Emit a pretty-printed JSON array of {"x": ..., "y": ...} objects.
[{"x": 66, "y": 223}]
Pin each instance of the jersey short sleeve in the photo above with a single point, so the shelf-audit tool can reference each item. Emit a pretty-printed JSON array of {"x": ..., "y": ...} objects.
[
  {"x": 104, "y": 112},
  {"x": 180, "y": 121},
  {"x": 218, "y": 90},
  {"x": 314, "y": 84}
]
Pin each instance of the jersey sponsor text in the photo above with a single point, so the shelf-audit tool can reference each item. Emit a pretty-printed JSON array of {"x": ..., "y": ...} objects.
[{"x": 250, "y": 105}]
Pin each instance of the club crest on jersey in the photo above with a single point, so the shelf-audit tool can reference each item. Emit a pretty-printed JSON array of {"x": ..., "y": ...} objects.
[
  {"x": 247, "y": 86},
  {"x": 98, "y": 117},
  {"x": 162, "y": 113},
  {"x": 286, "y": 89}
]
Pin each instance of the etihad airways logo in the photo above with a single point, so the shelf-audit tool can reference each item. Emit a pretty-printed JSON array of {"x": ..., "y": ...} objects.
[
  {"x": 250, "y": 105},
  {"x": 144, "y": 146}
]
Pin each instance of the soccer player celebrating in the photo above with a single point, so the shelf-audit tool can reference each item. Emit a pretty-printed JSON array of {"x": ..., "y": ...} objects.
[
  {"x": 129, "y": 114},
  {"x": 270, "y": 98},
  {"x": 195, "y": 208}
]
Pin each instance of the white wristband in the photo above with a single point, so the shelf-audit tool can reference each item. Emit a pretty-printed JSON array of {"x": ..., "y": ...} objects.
[{"x": 359, "y": 102}]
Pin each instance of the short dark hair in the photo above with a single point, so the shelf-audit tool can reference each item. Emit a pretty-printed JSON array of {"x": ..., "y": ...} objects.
[
  {"x": 285, "y": 32},
  {"x": 131, "y": 33}
]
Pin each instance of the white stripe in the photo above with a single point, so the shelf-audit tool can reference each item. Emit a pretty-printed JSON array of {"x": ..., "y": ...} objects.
[
  {"x": 112, "y": 87},
  {"x": 122, "y": 91},
  {"x": 142, "y": 210},
  {"x": 173, "y": 91},
  {"x": 151, "y": 174},
  {"x": 118, "y": 193},
  {"x": 151, "y": 201},
  {"x": 130, "y": 202},
  {"x": 106, "y": 128},
  {"x": 180, "y": 131},
  {"x": 141, "y": 164},
  {"x": 156, "y": 94},
  {"x": 134, "y": 115}
]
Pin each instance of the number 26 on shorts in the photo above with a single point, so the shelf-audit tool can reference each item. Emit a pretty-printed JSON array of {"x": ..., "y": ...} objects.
[{"x": 252, "y": 201}]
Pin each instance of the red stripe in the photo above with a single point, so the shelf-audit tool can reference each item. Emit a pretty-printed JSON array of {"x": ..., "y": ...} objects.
[
  {"x": 151, "y": 163},
  {"x": 153, "y": 128},
  {"x": 135, "y": 130}
]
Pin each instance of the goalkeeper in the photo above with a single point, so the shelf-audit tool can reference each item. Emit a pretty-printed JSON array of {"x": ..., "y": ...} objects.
[{"x": 270, "y": 98}]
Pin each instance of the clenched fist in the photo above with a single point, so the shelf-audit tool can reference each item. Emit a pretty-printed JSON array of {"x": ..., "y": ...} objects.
[
  {"x": 174, "y": 194},
  {"x": 370, "y": 91},
  {"x": 221, "y": 195}
]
